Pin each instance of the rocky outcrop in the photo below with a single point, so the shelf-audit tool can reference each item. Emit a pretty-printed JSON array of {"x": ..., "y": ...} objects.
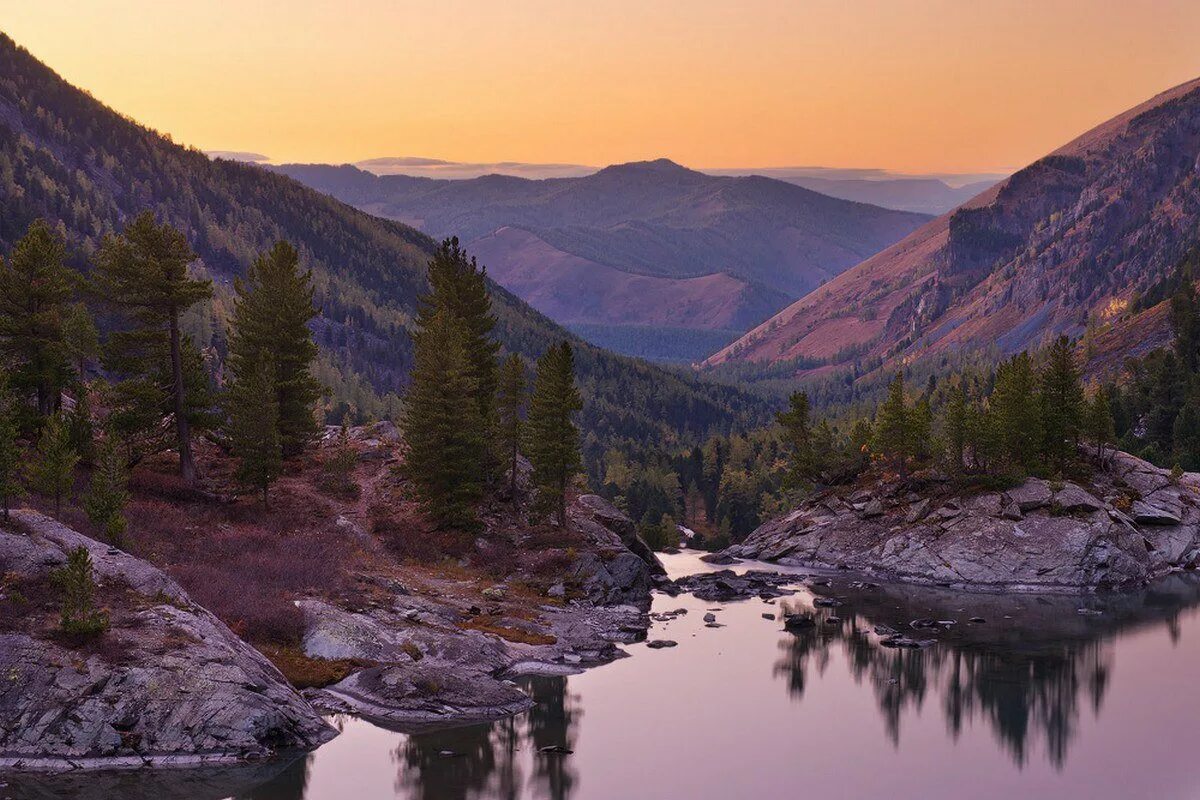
[
  {"x": 166, "y": 684},
  {"x": 436, "y": 657},
  {"x": 1132, "y": 523}
]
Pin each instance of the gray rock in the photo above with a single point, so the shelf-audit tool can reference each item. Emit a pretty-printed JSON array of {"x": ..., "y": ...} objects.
[
  {"x": 1147, "y": 514},
  {"x": 167, "y": 683},
  {"x": 659, "y": 644},
  {"x": 1032, "y": 494},
  {"x": 1072, "y": 498}
]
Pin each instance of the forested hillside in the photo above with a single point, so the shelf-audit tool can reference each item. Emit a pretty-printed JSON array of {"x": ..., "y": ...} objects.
[{"x": 88, "y": 170}]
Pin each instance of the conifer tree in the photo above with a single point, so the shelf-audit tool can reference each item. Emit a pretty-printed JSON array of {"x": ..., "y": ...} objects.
[
  {"x": 459, "y": 285},
  {"x": 894, "y": 427},
  {"x": 270, "y": 320},
  {"x": 798, "y": 439},
  {"x": 108, "y": 491},
  {"x": 35, "y": 286},
  {"x": 1016, "y": 415},
  {"x": 81, "y": 339},
  {"x": 552, "y": 439},
  {"x": 79, "y": 613},
  {"x": 956, "y": 427},
  {"x": 144, "y": 272},
  {"x": 52, "y": 472},
  {"x": 1098, "y": 420},
  {"x": 10, "y": 450},
  {"x": 442, "y": 424},
  {"x": 79, "y": 422},
  {"x": 1061, "y": 401},
  {"x": 254, "y": 427},
  {"x": 510, "y": 406}
]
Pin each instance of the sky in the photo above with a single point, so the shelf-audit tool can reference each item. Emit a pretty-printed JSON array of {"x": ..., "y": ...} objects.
[{"x": 914, "y": 86}]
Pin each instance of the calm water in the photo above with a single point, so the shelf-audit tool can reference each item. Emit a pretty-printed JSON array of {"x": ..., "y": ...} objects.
[{"x": 1048, "y": 702}]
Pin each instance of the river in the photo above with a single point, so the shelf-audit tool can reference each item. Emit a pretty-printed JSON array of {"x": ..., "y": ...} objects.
[{"x": 1064, "y": 697}]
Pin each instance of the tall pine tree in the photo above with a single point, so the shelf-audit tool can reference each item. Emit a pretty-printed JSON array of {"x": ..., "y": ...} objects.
[
  {"x": 894, "y": 427},
  {"x": 443, "y": 426},
  {"x": 35, "y": 287},
  {"x": 552, "y": 439},
  {"x": 798, "y": 439},
  {"x": 270, "y": 321},
  {"x": 10, "y": 450},
  {"x": 510, "y": 405},
  {"x": 254, "y": 428},
  {"x": 108, "y": 491},
  {"x": 144, "y": 272},
  {"x": 1015, "y": 414},
  {"x": 1061, "y": 401},
  {"x": 52, "y": 472}
]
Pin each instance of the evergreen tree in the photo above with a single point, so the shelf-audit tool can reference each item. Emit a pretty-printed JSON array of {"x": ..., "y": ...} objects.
[
  {"x": 79, "y": 614},
  {"x": 271, "y": 314},
  {"x": 81, "y": 339},
  {"x": 1185, "y": 324},
  {"x": 52, "y": 472},
  {"x": 798, "y": 439},
  {"x": 1098, "y": 420},
  {"x": 552, "y": 439},
  {"x": 1016, "y": 415},
  {"x": 510, "y": 406},
  {"x": 79, "y": 422},
  {"x": 10, "y": 450},
  {"x": 894, "y": 427},
  {"x": 144, "y": 272},
  {"x": 1061, "y": 405},
  {"x": 459, "y": 285},
  {"x": 35, "y": 286},
  {"x": 1186, "y": 435},
  {"x": 955, "y": 427},
  {"x": 442, "y": 423},
  {"x": 254, "y": 427},
  {"x": 108, "y": 492}
]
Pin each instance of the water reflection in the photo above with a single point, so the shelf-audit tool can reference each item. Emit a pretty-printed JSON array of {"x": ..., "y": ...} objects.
[
  {"x": 486, "y": 760},
  {"x": 1028, "y": 669}
]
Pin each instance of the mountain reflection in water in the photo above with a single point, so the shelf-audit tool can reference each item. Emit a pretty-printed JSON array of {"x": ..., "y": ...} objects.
[{"x": 990, "y": 709}]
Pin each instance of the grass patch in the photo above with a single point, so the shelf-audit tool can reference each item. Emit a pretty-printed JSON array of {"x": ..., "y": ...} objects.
[
  {"x": 305, "y": 672},
  {"x": 515, "y": 635}
]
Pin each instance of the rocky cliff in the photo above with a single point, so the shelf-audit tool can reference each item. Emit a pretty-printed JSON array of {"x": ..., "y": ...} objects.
[
  {"x": 1129, "y": 524},
  {"x": 166, "y": 684}
]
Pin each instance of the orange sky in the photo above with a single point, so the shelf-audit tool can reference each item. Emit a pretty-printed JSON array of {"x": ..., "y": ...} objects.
[{"x": 917, "y": 86}]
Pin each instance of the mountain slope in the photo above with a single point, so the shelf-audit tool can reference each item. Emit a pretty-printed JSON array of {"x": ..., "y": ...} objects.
[
  {"x": 68, "y": 158},
  {"x": 1061, "y": 247},
  {"x": 755, "y": 241}
]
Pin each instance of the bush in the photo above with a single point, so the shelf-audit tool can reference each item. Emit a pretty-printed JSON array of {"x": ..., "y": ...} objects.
[{"x": 79, "y": 615}]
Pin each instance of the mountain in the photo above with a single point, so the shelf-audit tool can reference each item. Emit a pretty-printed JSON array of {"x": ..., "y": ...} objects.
[
  {"x": 66, "y": 157},
  {"x": 648, "y": 245},
  {"x": 924, "y": 195},
  {"x": 1067, "y": 245}
]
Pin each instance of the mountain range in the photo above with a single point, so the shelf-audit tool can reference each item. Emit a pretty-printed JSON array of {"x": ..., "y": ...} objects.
[
  {"x": 87, "y": 169},
  {"x": 1072, "y": 244},
  {"x": 652, "y": 247}
]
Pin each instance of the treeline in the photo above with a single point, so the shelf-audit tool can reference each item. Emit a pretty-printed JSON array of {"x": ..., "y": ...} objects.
[
  {"x": 467, "y": 418},
  {"x": 144, "y": 387}
]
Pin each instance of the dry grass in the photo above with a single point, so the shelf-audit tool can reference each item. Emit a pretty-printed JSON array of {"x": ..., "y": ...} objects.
[
  {"x": 305, "y": 672},
  {"x": 516, "y": 635}
]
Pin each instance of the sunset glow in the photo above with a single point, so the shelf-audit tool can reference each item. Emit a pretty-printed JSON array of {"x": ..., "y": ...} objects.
[{"x": 910, "y": 86}]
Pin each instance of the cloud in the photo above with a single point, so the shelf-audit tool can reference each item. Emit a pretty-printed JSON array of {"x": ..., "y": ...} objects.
[
  {"x": 418, "y": 166},
  {"x": 238, "y": 155}
]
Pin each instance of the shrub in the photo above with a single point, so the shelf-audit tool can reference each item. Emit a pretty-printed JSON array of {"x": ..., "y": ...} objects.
[{"x": 79, "y": 615}]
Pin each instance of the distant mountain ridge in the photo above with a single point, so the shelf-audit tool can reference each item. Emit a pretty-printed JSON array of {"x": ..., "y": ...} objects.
[
  {"x": 1062, "y": 247},
  {"x": 649, "y": 244}
]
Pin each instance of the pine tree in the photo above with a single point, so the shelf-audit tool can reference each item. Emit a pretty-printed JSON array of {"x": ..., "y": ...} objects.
[
  {"x": 108, "y": 492},
  {"x": 254, "y": 427},
  {"x": 1098, "y": 420},
  {"x": 798, "y": 439},
  {"x": 52, "y": 472},
  {"x": 1185, "y": 436},
  {"x": 1016, "y": 414},
  {"x": 442, "y": 423},
  {"x": 10, "y": 450},
  {"x": 79, "y": 614},
  {"x": 459, "y": 285},
  {"x": 35, "y": 286},
  {"x": 552, "y": 439},
  {"x": 894, "y": 427},
  {"x": 79, "y": 422},
  {"x": 1061, "y": 401},
  {"x": 271, "y": 314},
  {"x": 145, "y": 273},
  {"x": 81, "y": 339},
  {"x": 510, "y": 406},
  {"x": 955, "y": 427}
]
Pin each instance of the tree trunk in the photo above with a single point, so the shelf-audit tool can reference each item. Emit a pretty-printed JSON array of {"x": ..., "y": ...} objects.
[
  {"x": 512, "y": 476},
  {"x": 187, "y": 466},
  {"x": 562, "y": 500}
]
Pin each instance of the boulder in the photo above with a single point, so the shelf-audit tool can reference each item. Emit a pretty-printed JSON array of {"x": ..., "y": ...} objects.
[{"x": 1032, "y": 494}]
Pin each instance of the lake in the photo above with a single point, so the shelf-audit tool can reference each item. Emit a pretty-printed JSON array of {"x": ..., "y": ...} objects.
[{"x": 1052, "y": 696}]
